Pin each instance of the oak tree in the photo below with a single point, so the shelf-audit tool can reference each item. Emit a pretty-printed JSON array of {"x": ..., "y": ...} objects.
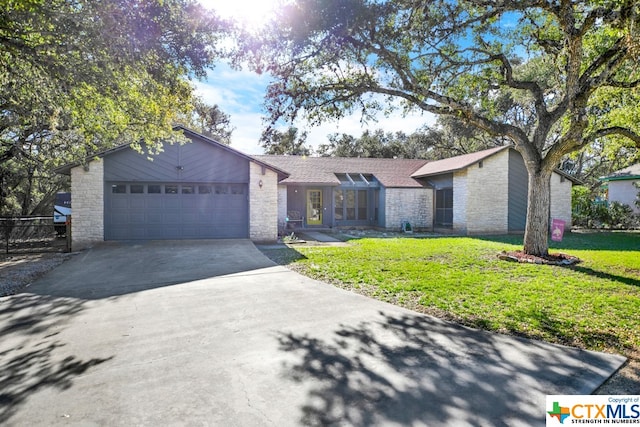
[{"x": 534, "y": 72}]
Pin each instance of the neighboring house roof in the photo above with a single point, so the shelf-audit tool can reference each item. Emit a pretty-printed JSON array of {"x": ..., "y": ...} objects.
[
  {"x": 66, "y": 169},
  {"x": 456, "y": 163},
  {"x": 322, "y": 170},
  {"x": 630, "y": 173}
]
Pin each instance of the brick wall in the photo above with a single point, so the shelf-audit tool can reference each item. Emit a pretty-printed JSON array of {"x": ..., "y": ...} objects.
[
  {"x": 561, "y": 199},
  {"x": 408, "y": 204},
  {"x": 487, "y": 207},
  {"x": 87, "y": 205},
  {"x": 263, "y": 204},
  {"x": 460, "y": 201},
  {"x": 282, "y": 204}
]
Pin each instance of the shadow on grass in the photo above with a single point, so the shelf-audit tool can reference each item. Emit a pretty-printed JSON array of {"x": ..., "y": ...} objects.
[
  {"x": 281, "y": 255},
  {"x": 587, "y": 240},
  {"x": 32, "y": 356},
  {"x": 412, "y": 369},
  {"x": 607, "y": 276},
  {"x": 544, "y": 326}
]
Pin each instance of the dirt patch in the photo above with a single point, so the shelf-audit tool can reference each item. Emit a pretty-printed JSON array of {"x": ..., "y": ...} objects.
[{"x": 551, "y": 259}]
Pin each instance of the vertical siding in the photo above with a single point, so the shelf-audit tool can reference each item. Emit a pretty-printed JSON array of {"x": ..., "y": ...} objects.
[
  {"x": 191, "y": 162},
  {"x": 518, "y": 189}
]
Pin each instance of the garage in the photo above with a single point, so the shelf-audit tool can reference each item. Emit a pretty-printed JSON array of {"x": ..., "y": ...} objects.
[
  {"x": 186, "y": 188},
  {"x": 194, "y": 190},
  {"x": 149, "y": 211}
]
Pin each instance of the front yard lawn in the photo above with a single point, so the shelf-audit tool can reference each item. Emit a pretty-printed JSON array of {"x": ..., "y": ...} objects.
[{"x": 593, "y": 305}]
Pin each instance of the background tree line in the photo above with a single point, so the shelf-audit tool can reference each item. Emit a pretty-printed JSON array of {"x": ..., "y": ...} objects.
[{"x": 81, "y": 76}]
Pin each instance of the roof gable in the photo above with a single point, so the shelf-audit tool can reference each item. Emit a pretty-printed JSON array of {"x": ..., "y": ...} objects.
[
  {"x": 456, "y": 163},
  {"x": 192, "y": 135}
]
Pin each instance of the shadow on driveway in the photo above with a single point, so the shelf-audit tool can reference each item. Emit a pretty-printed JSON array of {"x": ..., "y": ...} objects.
[
  {"x": 417, "y": 370},
  {"x": 32, "y": 356},
  {"x": 118, "y": 268}
]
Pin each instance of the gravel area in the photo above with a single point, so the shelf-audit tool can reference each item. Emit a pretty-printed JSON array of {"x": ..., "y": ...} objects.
[{"x": 20, "y": 270}]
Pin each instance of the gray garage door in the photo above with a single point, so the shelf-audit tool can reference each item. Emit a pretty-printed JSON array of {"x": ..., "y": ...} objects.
[{"x": 150, "y": 211}]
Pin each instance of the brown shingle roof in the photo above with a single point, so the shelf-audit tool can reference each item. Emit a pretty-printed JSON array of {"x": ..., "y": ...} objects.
[
  {"x": 323, "y": 170},
  {"x": 455, "y": 163}
]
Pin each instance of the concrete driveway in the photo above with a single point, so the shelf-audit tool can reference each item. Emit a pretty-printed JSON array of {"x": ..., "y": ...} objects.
[{"x": 213, "y": 333}]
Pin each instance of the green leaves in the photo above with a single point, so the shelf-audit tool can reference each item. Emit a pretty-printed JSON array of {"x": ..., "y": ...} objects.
[{"x": 86, "y": 75}]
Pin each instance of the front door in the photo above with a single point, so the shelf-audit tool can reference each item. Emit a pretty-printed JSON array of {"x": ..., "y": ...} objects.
[{"x": 314, "y": 207}]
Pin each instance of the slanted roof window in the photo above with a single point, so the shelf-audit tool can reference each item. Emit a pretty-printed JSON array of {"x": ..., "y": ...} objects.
[{"x": 357, "y": 179}]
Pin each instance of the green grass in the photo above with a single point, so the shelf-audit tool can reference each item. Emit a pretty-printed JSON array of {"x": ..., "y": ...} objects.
[{"x": 594, "y": 305}]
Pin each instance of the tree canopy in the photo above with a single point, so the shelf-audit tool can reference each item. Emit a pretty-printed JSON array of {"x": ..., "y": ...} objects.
[
  {"x": 290, "y": 142},
  {"x": 80, "y": 75},
  {"x": 549, "y": 76}
]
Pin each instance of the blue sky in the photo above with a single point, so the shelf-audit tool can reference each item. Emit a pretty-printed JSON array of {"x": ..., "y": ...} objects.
[{"x": 241, "y": 93}]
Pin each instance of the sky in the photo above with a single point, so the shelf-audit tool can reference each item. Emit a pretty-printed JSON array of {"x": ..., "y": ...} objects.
[{"x": 241, "y": 93}]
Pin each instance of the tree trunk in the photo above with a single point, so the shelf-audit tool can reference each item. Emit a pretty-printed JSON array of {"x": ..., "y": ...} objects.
[{"x": 537, "y": 228}]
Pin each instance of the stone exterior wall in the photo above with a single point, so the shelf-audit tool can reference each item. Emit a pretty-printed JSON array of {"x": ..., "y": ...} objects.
[
  {"x": 487, "y": 207},
  {"x": 87, "y": 205},
  {"x": 282, "y": 204},
  {"x": 460, "y": 195},
  {"x": 409, "y": 204},
  {"x": 263, "y": 204},
  {"x": 561, "y": 199}
]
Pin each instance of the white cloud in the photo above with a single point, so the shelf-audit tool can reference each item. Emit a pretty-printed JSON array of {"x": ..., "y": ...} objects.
[{"x": 240, "y": 94}]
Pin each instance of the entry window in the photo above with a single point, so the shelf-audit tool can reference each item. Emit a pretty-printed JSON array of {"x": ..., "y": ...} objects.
[
  {"x": 171, "y": 189},
  {"x": 137, "y": 189},
  {"x": 204, "y": 189},
  {"x": 444, "y": 207},
  {"x": 154, "y": 189},
  {"x": 188, "y": 189},
  {"x": 119, "y": 188}
]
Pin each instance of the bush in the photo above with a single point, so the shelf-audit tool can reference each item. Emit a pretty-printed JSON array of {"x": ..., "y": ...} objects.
[{"x": 593, "y": 214}]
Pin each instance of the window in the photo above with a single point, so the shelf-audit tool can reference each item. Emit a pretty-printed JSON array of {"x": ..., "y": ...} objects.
[
  {"x": 351, "y": 205},
  {"x": 338, "y": 201},
  {"x": 188, "y": 189},
  {"x": 222, "y": 189},
  {"x": 154, "y": 189},
  {"x": 362, "y": 205},
  {"x": 170, "y": 189},
  {"x": 204, "y": 189},
  {"x": 119, "y": 188},
  {"x": 350, "y": 196},
  {"x": 136, "y": 189},
  {"x": 444, "y": 207},
  {"x": 237, "y": 189}
]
